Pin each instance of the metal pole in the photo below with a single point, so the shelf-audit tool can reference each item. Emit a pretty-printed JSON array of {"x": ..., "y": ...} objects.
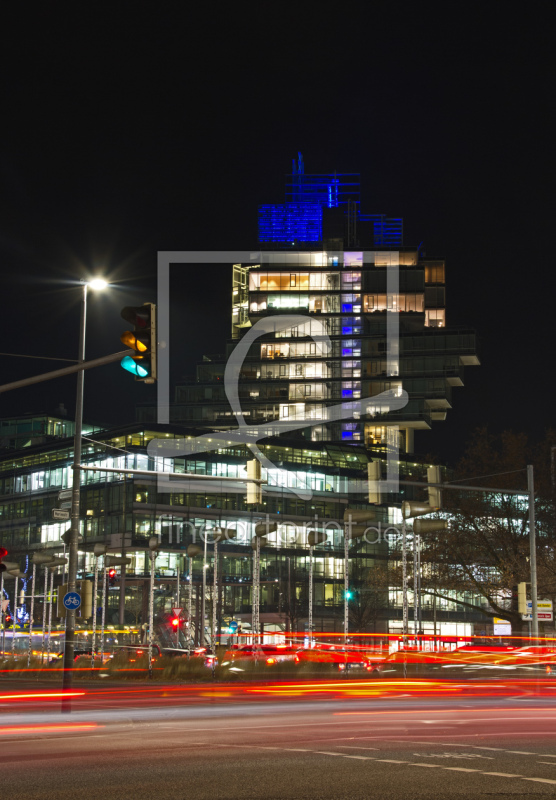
[
  {"x": 190, "y": 605},
  {"x": 214, "y": 597},
  {"x": 346, "y": 585},
  {"x": 32, "y": 611},
  {"x": 178, "y": 597},
  {"x": 533, "y": 551},
  {"x": 15, "y": 617},
  {"x": 2, "y": 614},
  {"x": 151, "y": 612},
  {"x": 204, "y": 594},
  {"x": 59, "y": 373},
  {"x": 44, "y": 614},
  {"x": 310, "y": 596},
  {"x": 415, "y": 588},
  {"x": 419, "y": 595},
  {"x": 255, "y": 611},
  {"x": 75, "y": 500},
  {"x": 121, "y": 609},
  {"x": 94, "y": 636},
  {"x": 50, "y": 598},
  {"x": 404, "y": 583},
  {"x": 103, "y": 611},
  {"x": 405, "y": 610}
]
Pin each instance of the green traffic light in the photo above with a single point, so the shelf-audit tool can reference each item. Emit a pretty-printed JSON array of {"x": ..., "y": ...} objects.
[
  {"x": 349, "y": 594},
  {"x": 129, "y": 364}
]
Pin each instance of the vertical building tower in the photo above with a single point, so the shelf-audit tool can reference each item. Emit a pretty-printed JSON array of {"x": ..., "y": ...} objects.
[{"x": 346, "y": 295}]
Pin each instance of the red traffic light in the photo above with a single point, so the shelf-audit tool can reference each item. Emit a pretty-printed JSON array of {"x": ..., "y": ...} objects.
[
  {"x": 111, "y": 572},
  {"x": 176, "y": 622},
  {"x": 3, "y": 554}
]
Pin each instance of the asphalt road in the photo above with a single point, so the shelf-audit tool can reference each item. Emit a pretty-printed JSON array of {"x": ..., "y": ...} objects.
[{"x": 374, "y": 747}]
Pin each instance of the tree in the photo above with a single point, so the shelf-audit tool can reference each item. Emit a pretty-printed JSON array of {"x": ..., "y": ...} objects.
[
  {"x": 294, "y": 596},
  {"x": 484, "y": 554},
  {"x": 370, "y": 595}
]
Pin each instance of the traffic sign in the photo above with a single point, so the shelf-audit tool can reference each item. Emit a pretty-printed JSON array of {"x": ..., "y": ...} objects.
[
  {"x": 177, "y": 611},
  {"x": 60, "y": 513},
  {"x": 65, "y": 494},
  {"x": 72, "y": 600},
  {"x": 542, "y": 605},
  {"x": 544, "y": 611}
]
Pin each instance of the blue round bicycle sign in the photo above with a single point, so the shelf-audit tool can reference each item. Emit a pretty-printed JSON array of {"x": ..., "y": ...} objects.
[{"x": 72, "y": 600}]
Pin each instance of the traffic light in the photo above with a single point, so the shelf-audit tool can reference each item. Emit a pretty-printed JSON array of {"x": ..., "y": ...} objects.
[
  {"x": 3, "y": 554},
  {"x": 112, "y": 576},
  {"x": 254, "y": 490},
  {"x": 348, "y": 594},
  {"x": 430, "y": 526},
  {"x": 522, "y": 598},
  {"x": 414, "y": 509},
  {"x": 316, "y": 537},
  {"x": 142, "y": 339},
  {"x": 435, "y": 493},
  {"x": 177, "y": 622}
]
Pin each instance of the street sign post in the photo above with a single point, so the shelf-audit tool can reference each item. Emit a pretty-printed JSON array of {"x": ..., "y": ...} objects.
[
  {"x": 545, "y": 612},
  {"x": 72, "y": 601},
  {"x": 60, "y": 513},
  {"x": 65, "y": 494}
]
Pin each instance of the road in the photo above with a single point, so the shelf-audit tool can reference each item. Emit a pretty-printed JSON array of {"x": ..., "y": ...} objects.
[{"x": 398, "y": 746}]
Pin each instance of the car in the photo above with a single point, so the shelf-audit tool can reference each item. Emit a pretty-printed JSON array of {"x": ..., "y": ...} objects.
[
  {"x": 134, "y": 652},
  {"x": 237, "y": 659},
  {"x": 337, "y": 658},
  {"x": 201, "y": 653}
]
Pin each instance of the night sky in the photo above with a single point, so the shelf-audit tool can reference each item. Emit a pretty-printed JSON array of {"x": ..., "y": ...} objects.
[{"x": 131, "y": 128}]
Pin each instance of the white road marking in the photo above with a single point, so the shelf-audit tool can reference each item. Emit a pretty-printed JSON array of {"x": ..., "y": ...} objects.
[
  {"x": 397, "y": 761},
  {"x": 503, "y": 774},
  {"x": 355, "y": 747},
  {"x": 461, "y": 769}
]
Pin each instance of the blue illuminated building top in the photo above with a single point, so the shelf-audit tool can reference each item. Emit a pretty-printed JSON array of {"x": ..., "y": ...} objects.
[
  {"x": 300, "y": 218},
  {"x": 290, "y": 222}
]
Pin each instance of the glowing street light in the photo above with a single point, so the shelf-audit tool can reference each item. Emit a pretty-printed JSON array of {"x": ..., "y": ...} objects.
[{"x": 97, "y": 284}]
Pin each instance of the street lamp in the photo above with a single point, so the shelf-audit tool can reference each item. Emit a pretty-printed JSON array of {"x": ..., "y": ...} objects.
[{"x": 95, "y": 284}]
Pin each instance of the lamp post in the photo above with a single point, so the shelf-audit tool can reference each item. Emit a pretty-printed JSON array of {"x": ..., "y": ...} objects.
[{"x": 75, "y": 498}]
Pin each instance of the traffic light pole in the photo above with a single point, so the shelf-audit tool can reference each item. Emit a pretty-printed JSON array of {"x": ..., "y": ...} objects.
[
  {"x": 310, "y": 596},
  {"x": 255, "y": 619},
  {"x": 69, "y": 642},
  {"x": 532, "y": 552},
  {"x": 190, "y": 605},
  {"x": 214, "y": 598},
  {"x": 204, "y": 595},
  {"x": 31, "y": 612},
  {"x": 346, "y": 586},
  {"x": 59, "y": 373},
  {"x": 404, "y": 584}
]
